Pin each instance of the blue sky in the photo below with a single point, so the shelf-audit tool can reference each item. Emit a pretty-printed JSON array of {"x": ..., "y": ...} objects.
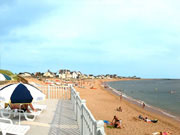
[{"x": 124, "y": 37}]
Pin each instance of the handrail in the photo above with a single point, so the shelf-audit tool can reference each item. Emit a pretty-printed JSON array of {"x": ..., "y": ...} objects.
[
  {"x": 87, "y": 123},
  {"x": 55, "y": 92}
]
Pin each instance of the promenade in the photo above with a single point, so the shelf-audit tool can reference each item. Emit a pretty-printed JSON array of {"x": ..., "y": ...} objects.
[
  {"x": 66, "y": 114},
  {"x": 57, "y": 119}
]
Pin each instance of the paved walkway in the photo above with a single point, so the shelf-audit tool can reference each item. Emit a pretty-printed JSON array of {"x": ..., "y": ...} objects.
[
  {"x": 57, "y": 119},
  {"x": 65, "y": 118}
]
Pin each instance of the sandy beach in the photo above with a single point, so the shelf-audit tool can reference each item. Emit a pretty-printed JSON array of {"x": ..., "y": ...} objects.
[{"x": 103, "y": 104}]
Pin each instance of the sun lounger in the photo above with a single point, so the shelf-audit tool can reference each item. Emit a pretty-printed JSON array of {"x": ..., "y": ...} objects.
[
  {"x": 2, "y": 105},
  {"x": 29, "y": 116},
  {"x": 10, "y": 128},
  {"x": 39, "y": 107},
  {"x": 7, "y": 113}
]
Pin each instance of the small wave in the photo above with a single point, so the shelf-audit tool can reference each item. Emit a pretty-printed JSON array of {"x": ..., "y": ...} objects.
[
  {"x": 168, "y": 114},
  {"x": 140, "y": 102}
]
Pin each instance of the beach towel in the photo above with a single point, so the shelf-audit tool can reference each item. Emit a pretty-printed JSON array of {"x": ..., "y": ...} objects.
[
  {"x": 107, "y": 122},
  {"x": 111, "y": 126}
]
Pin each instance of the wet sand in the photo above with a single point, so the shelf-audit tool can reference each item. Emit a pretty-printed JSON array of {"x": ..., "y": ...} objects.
[{"x": 103, "y": 104}]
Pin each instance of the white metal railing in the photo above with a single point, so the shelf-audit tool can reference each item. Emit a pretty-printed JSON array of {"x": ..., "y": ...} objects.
[
  {"x": 86, "y": 121},
  {"x": 55, "y": 92}
]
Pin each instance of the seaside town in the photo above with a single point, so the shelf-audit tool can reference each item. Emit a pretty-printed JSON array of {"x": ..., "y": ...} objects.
[
  {"x": 64, "y": 74},
  {"x": 105, "y": 110},
  {"x": 68, "y": 75}
]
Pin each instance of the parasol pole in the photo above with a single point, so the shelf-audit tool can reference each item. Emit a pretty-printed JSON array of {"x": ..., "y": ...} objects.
[{"x": 19, "y": 113}]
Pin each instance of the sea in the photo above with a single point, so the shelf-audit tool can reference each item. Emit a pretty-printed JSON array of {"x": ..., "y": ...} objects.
[{"x": 162, "y": 95}]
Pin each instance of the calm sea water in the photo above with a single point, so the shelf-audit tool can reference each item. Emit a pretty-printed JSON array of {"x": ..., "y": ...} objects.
[{"x": 164, "y": 94}]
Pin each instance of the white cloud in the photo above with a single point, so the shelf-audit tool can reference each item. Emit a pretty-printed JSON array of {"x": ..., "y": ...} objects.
[
  {"x": 91, "y": 19},
  {"x": 93, "y": 30}
]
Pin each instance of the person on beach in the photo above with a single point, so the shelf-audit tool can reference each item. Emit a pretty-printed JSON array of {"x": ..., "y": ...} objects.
[
  {"x": 116, "y": 122},
  {"x": 143, "y": 105},
  {"x": 119, "y": 109},
  {"x": 140, "y": 117},
  {"x": 24, "y": 107},
  {"x": 121, "y": 97},
  {"x": 161, "y": 133},
  {"x": 147, "y": 120}
]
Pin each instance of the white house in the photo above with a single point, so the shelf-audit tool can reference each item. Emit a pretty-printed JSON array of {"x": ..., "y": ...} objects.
[
  {"x": 48, "y": 74},
  {"x": 74, "y": 75},
  {"x": 25, "y": 74},
  {"x": 62, "y": 76},
  {"x": 68, "y": 75}
]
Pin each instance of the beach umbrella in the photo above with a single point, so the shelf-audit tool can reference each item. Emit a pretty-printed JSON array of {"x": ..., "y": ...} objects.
[
  {"x": 4, "y": 77},
  {"x": 20, "y": 94}
]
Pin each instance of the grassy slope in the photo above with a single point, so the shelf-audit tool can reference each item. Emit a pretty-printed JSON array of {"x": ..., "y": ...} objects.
[{"x": 9, "y": 73}]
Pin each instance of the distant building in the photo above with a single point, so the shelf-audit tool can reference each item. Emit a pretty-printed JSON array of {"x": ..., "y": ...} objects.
[
  {"x": 49, "y": 74},
  {"x": 91, "y": 76},
  {"x": 68, "y": 75},
  {"x": 25, "y": 74},
  {"x": 74, "y": 75},
  {"x": 62, "y": 76},
  {"x": 38, "y": 74},
  {"x": 107, "y": 76}
]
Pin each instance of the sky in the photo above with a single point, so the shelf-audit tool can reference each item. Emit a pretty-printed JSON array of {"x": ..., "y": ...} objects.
[{"x": 123, "y": 37}]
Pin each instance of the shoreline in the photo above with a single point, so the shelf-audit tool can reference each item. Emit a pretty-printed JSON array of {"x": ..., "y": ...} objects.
[
  {"x": 103, "y": 103},
  {"x": 148, "y": 107}
]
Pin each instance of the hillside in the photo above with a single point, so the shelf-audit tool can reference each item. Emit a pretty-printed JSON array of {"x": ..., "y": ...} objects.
[
  {"x": 9, "y": 73},
  {"x": 13, "y": 76}
]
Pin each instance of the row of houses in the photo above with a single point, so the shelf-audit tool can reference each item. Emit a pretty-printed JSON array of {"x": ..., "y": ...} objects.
[
  {"x": 62, "y": 74},
  {"x": 67, "y": 74}
]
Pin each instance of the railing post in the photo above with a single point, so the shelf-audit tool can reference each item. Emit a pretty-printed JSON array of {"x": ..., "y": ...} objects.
[
  {"x": 95, "y": 127},
  {"x": 70, "y": 92},
  {"x": 81, "y": 113},
  {"x": 63, "y": 92},
  {"x": 48, "y": 92},
  {"x": 76, "y": 105},
  {"x": 66, "y": 92},
  {"x": 69, "y": 87},
  {"x": 64, "y": 89},
  {"x": 100, "y": 127},
  {"x": 83, "y": 103}
]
